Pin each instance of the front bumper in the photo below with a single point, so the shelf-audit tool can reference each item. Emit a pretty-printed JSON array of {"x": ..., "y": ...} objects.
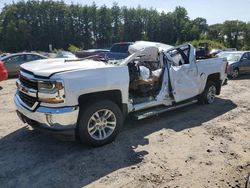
[{"x": 57, "y": 119}]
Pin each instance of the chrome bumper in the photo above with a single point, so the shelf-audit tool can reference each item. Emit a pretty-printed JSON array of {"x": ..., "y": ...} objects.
[{"x": 53, "y": 118}]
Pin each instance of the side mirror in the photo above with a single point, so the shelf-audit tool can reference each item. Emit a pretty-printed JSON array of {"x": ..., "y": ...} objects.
[{"x": 244, "y": 59}]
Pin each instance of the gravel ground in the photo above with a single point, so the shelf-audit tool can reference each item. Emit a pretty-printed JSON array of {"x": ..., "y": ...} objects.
[{"x": 196, "y": 146}]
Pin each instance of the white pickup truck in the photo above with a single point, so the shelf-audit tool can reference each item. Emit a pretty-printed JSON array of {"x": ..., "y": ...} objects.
[{"x": 90, "y": 98}]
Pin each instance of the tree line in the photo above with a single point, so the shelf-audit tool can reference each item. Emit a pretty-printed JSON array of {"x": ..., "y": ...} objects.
[{"x": 33, "y": 25}]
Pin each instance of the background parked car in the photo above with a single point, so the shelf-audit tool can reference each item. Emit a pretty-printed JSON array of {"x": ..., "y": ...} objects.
[
  {"x": 239, "y": 62},
  {"x": 65, "y": 54},
  {"x": 230, "y": 49},
  {"x": 119, "y": 50},
  {"x": 12, "y": 62},
  {"x": 3, "y": 72},
  {"x": 48, "y": 54},
  {"x": 215, "y": 51},
  {"x": 4, "y": 54},
  {"x": 91, "y": 52}
]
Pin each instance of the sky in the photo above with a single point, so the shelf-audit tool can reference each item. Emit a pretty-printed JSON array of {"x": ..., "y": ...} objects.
[{"x": 215, "y": 11}]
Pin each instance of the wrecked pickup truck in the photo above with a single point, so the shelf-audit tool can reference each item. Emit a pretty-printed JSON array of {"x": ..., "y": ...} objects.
[{"x": 91, "y": 98}]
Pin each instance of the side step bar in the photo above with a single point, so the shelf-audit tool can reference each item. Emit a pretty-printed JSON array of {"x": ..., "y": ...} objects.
[{"x": 158, "y": 110}]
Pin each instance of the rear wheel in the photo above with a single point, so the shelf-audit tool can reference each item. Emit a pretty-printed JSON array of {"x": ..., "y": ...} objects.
[
  {"x": 235, "y": 73},
  {"x": 99, "y": 123},
  {"x": 208, "y": 95}
]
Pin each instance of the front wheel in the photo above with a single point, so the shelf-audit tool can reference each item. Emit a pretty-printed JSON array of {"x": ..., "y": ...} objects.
[
  {"x": 248, "y": 182},
  {"x": 99, "y": 123},
  {"x": 208, "y": 95}
]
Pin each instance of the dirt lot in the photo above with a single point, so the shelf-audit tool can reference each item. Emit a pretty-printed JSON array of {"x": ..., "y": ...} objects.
[{"x": 197, "y": 146}]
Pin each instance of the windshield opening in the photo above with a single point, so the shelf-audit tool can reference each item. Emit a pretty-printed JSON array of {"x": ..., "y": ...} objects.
[{"x": 120, "y": 48}]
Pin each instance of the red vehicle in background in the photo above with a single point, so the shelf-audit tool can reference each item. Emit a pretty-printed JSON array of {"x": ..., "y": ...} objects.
[{"x": 3, "y": 72}]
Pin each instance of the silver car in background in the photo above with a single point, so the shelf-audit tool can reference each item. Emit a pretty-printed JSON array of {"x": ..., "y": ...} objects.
[
  {"x": 66, "y": 55},
  {"x": 238, "y": 62},
  {"x": 12, "y": 62}
]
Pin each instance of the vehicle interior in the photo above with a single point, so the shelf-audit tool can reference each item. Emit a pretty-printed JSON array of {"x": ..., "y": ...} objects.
[{"x": 146, "y": 73}]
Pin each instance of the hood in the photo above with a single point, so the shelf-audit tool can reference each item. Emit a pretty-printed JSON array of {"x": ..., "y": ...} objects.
[
  {"x": 231, "y": 62},
  {"x": 46, "y": 67}
]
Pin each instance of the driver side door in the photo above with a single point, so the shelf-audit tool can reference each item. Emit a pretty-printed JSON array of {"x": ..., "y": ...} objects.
[
  {"x": 248, "y": 63},
  {"x": 243, "y": 63},
  {"x": 183, "y": 73}
]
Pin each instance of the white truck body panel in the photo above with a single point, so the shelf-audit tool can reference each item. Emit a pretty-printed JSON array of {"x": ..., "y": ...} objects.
[
  {"x": 51, "y": 66},
  {"x": 207, "y": 67},
  {"x": 184, "y": 82},
  {"x": 80, "y": 82},
  {"x": 177, "y": 82},
  {"x": 187, "y": 80},
  {"x": 95, "y": 75}
]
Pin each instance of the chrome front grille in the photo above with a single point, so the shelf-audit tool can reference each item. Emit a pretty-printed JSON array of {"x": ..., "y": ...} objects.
[
  {"x": 28, "y": 94},
  {"x": 27, "y": 88},
  {"x": 28, "y": 100},
  {"x": 28, "y": 83}
]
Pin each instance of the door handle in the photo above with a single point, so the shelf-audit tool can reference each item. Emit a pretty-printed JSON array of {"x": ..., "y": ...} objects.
[{"x": 191, "y": 70}]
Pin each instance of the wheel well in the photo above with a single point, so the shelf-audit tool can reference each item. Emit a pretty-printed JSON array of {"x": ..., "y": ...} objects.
[
  {"x": 216, "y": 79},
  {"x": 236, "y": 68},
  {"x": 113, "y": 95}
]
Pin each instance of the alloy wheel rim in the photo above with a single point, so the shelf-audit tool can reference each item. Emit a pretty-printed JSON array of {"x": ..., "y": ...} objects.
[
  {"x": 211, "y": 94},
  {"x": 101, "y": 124},
  {"x": 248, "y": 182},
  {"x": 235, "y": 73}
]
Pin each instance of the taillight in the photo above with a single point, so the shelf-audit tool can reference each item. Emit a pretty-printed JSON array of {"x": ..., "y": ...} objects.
[{"x": 227, "y": 67}]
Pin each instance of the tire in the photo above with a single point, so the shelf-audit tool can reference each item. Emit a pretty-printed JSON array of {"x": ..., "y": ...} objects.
[
  {"x": 99, "y": 123},
  {"x": 208, "y": 95},
  {"x": 235, "y": 73},
  {"x": 248, "y": 182}
]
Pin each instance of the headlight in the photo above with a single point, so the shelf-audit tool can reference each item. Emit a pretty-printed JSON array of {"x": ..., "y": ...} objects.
[
  {"x": 45, "y": 86},
  {"x": 51, "y": 91},
  {"x": 50, "y": 86}
]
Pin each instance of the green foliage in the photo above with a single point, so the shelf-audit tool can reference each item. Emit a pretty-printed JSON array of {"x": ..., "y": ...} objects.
[
  {"x": 54, "y": 50},
  {"x": 211, "y": 44},
  {"x": 233, "y": 34},
  {"x": 73, "y": 48},
  {"x": 246, "y": 45},
  {"x": 33, "y": 25}
]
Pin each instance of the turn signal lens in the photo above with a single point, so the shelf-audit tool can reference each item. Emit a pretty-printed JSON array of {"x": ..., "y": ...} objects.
[{"x": 51, "y": 100}]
